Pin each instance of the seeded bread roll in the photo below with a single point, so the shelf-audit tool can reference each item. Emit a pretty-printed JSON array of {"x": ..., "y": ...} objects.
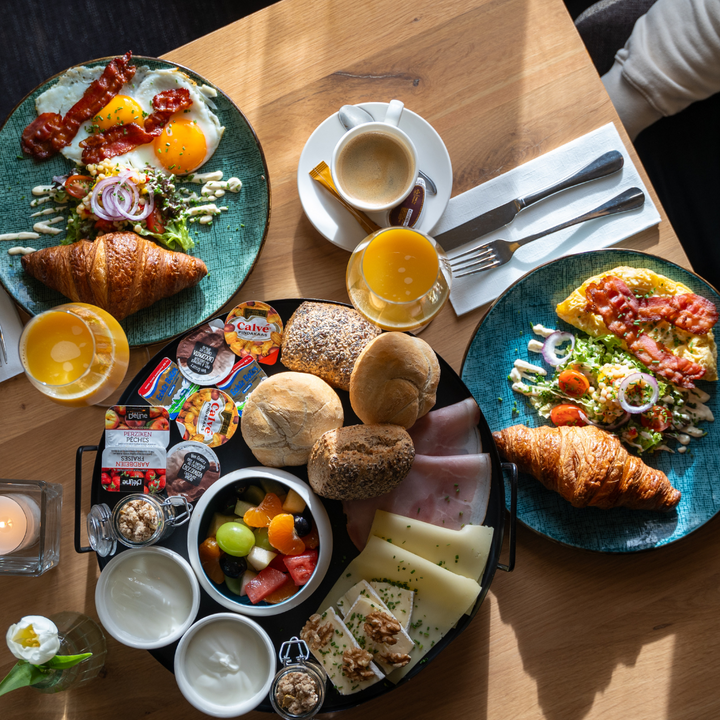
[
  {"x": 394, "y": 380},
  {"x": 284, "y": 416},
  {"x": 325, "y": 340},
  {"x": 360, "y": 461}
]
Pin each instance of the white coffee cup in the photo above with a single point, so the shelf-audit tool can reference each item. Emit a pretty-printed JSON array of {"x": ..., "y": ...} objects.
[{"x": 374, "y": 165}]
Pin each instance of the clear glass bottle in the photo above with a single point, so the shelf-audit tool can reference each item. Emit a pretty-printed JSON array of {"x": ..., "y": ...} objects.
[
  {"x": 78, "y": 634},
  {"x": 298, "y": 670},
  {"x": 104, "y": 525}
]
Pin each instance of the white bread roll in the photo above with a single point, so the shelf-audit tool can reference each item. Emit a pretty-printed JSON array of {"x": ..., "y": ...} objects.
[
  {"x": 286, "y": 414},
  {"x": 394, "y": 380},
  {"x": 360, "y": 461}
]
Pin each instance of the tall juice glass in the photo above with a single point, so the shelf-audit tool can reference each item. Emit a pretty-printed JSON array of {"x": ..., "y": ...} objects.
[
  {"x": 76, "y": 354},
  {"x": 398, "y": 278}
]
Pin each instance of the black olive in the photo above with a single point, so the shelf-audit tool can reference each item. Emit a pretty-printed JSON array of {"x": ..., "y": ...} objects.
[
  {"x": 233, "y": 567},
  {"x": 302, "y": 526}
]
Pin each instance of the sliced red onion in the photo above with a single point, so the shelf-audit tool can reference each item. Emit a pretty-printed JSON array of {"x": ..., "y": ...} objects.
[
  {"x": 635, "y": 377},
  {"x": 60, "y": 179},
  {"x": 120, "y": 199},
  {"x": 552, "y": 342},
  {"x": 612, "y": 426}
]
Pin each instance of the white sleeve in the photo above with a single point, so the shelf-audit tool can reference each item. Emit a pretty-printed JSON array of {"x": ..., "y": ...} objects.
[{"x": 671, "y": 60}]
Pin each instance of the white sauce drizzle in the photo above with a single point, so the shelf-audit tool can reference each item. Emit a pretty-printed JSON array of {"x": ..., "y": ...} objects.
[
  {"x": 44, "y": 226},
  {"x": 523, "y": 371},
  {"x": 48, "y": 211},
  {"x": 21, "y": 250},
  {"x": 542, "y": 330},
  {"x": 535, "y": 346},
  {"x": 20, "y": 236}
]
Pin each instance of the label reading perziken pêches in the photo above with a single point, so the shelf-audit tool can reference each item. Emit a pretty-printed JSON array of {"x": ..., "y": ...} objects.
[{"x": 137, "y": 426}]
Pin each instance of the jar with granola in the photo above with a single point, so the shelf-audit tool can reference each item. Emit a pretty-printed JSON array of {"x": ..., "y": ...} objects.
[
  {"x": 298, "y": 691},
  {"x": 136, "y": 521}
]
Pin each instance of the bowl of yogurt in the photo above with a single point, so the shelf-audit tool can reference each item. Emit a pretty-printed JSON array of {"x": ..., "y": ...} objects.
[
  {"x": 225, "y": 665},
  {"x": 147, "y": 598}
]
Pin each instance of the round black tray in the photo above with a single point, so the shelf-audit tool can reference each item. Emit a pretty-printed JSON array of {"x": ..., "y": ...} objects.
[{"x": 235, "y": 455}]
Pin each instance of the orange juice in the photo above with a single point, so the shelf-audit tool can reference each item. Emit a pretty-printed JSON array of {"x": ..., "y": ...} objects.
[
  {"x": 59, "y": 349},
  {"x": 398, "y": 278},
  {"x": 400, "y": 265},
  {"x": 76, "y": 354}
]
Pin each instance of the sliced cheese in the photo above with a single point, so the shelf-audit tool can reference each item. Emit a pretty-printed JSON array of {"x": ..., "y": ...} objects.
[
  {"x": 398, "y": 601},
  {"x": 441, "y": 597},
  {"x": 464, "y": 552},
  {"x": 330, "y": 656},
  {"x": 362, "y": 588},
  {"x": 355, "y": 621}
]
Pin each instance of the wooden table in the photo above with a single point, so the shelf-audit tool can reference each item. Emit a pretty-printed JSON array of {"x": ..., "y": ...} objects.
[{"x": 569, "y": 635}]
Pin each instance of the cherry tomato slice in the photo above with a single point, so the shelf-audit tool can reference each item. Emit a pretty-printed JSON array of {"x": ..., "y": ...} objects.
[
  {"x": 656, "y": 418},
  {"x": 573, "y": 383},
  {"x": 154, "y": 222},
  {"x": 79, "y": 185},
  {"x": 567, "y": 415}
]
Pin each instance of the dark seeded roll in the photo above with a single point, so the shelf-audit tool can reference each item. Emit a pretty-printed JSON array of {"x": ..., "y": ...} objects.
[
  {"x": 325, "y": 340},
  {"x": 360, "y": 461}
]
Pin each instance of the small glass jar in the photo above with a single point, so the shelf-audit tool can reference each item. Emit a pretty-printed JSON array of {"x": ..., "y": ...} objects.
[
  {"x": 105, "y": 527},
  {"x": 78, "y": 634},
  {"x": 298, "y": 671}
]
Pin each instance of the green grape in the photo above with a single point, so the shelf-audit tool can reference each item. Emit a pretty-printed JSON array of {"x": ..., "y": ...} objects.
[
  {"x": 261, "y": 539},
  {"x": 235, "y": 539}
]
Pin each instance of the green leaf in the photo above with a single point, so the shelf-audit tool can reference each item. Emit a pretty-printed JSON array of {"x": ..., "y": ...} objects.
[
  {"x": 23, "y": 674},
  {"x": 61, "y": 662}
]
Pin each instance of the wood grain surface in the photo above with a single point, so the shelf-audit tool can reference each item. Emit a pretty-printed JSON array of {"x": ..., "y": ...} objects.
[{"x": 568, "y": 635}]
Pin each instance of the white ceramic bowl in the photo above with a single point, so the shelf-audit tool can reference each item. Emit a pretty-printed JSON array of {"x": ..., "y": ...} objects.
[
  {"x": 247, "y": 645},
  {"x": 205, "y": 506},
  {"x": 169, "y": 576}
]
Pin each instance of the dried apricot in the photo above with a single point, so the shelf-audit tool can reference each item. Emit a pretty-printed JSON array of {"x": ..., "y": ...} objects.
[
  {"x": 282, "y": 535},
  {"x": 210, "y": 554},
  {"x": 261, "y": 515}
]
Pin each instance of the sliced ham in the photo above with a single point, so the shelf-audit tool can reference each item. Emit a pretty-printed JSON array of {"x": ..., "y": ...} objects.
[
  {"x": 448, "y": 491},
  {"x": 450, "y": 430}
]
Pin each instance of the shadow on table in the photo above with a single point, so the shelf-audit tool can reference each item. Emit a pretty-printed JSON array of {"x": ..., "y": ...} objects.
[{"x": 580, "y": 616}]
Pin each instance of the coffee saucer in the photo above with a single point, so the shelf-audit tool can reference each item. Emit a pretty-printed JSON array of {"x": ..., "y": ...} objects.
[{"x": 330, "y": 218}]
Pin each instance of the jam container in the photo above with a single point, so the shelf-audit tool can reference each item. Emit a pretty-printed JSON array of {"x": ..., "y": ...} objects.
[
  {"x": 137, "y": 521},
  {"x": 298, "y": 690}
]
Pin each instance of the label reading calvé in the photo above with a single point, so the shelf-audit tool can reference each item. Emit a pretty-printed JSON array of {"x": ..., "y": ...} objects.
[{"x": 254, "y": 329}]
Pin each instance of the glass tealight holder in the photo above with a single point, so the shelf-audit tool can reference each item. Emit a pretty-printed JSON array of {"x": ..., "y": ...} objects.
[
  {"x": 298, "y": 690},
  {"x": 30, "y": 513},
  {"x": 105, "y": 527}
]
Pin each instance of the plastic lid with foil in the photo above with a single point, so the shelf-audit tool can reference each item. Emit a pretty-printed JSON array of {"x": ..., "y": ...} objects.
[
  {"x": 203, "y": 355},
  {"x": 100, "y": 530},
  {"x": 254, "y": 329},
  {"x": 209, "y": 416},
  {"x": 191, "y": 469}
]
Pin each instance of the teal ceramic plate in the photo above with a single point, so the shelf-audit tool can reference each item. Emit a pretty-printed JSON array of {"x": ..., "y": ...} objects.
[
  {"x": 229, "y": 247},
  {"x": 503, "y": 335}
]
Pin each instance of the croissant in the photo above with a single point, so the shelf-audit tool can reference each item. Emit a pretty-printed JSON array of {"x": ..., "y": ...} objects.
[
  {"x": 587, "y": 466},
  {"x": 120, "y": 272}
]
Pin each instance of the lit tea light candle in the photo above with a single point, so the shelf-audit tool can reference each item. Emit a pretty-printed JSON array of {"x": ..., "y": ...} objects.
[{"x": 19, "y": 523}]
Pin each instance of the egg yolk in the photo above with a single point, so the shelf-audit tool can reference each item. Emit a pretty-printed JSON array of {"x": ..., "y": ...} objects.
[
  {"x": 181, "y": 146},
  {"x": 121, "y": 110}
]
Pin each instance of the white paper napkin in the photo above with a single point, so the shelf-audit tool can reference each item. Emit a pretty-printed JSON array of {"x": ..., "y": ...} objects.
[
  {"x": 11, "y": 327},
  {"x": 473, "y": 291}
]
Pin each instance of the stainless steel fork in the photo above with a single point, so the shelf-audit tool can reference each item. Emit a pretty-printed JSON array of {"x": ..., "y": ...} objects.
[
  {"x": 498, "y": 252},
  {"x": 3, "y": 353}
]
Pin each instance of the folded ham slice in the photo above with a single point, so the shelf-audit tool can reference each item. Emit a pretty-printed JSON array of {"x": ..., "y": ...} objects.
[
  {"x": 448, "y": 491},
  {"x": 451, "y": 430}
]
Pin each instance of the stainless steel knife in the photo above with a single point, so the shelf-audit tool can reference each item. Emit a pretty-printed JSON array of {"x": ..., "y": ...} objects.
[{"x": 502, "y": 215}]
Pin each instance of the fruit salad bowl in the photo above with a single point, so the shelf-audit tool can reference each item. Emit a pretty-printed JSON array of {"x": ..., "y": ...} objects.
[{"x": 259, "y": 541}]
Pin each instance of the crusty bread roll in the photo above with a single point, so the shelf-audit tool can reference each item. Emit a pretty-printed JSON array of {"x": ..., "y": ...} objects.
[
  {"x": 286, "y": 414},
  {"x": 394, "y": 380},
  {"x": 325, "y": 340},
  {"x": 360, "y": 461}
]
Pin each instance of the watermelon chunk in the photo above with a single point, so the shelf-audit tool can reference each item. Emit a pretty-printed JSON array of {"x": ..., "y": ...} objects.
[
  {"x": 266, "y": 582},
  {"x": 302, "y": 566}
]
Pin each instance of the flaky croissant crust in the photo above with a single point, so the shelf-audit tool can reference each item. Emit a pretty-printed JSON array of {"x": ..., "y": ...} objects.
[
  {"x": 587, "y": 466},
  {"x": 120, "y": 272}
]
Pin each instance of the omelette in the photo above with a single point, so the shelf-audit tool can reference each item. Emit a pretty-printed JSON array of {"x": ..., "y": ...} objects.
[{"x": 698, "y": 348}]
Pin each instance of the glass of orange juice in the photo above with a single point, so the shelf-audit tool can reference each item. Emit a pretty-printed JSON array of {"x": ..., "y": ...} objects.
[
  {"x": 76, "y": 354},
  {"x": 398, "y": 278}
]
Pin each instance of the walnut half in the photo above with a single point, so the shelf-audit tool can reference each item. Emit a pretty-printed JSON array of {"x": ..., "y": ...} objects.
[
  {"x": 397, "y": 660},
  {"x": 356, "y": 664},
  {"x": 381, "y": 627},
  {"x": 315, "y": 634}
]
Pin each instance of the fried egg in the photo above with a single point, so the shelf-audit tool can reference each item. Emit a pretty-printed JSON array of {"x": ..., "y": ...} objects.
[
  {"x": 185, "y": 144},
  {"x": 699, "y": 348}
]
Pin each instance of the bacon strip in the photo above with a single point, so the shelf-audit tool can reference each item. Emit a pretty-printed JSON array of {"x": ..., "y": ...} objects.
[
  {"x": 120, "y": 139},
  {"x": 49, "y": 133},
  {"x": 613, "y": 300},
  {"x": 689, "y": 312}
]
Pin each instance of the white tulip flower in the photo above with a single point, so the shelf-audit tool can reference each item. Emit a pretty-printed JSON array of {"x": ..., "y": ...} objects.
[{"x": 34, "y": 639}]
